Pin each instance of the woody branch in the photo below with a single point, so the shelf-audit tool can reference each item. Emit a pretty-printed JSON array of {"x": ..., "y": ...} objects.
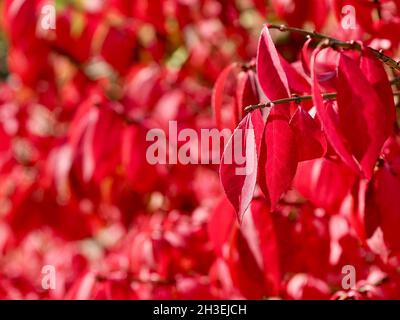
[
  {"x": 296, "y": 99},
  {"x": 336, "y": 43}
]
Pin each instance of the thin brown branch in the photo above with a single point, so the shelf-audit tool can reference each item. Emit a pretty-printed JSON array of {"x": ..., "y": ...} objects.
[
  {"x": 297, "y": 99},
  {"x": 385, "y": 59},
  {"x": 336, "y": 43}
]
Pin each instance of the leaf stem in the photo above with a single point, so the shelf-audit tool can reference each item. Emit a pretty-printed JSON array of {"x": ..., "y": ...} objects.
[{"x": 297, "y": 99}]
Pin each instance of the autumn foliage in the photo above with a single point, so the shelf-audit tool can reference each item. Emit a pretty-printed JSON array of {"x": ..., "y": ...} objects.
[{"x": 77, "y": 191}]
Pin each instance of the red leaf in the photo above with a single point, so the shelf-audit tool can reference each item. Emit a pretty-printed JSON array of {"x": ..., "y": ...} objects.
[
  {"x": 264, "y": 237},
  {"x": 253, "y": 259},
  {"x": 278, "y": 153},
  {"x": 329, "y": 120},
  {"x": 305, "y": 58},
  {"x": 246, "y": 91},
  {"x": 124, "y": 39},
  {"x": 324, "y": 182},
  {"x": 375, "y": 73},
  {"x": 278, "y": 158},
  {"x": 106, "y": 142},
  {"x": 362, "y": 119},
  {"x": 384, "y": 198},
  {"x": 220, "y": 226},
  {"x": 310, "y": 140},
  {"x": 239, "y": 177},
  {"x": 270, "y": 72},
  {"x": 297, "y": 82},
  {"x": 244, "y": 269},
  {"x": 217, "y": 96},
  {"x": 371, "y": 214}
]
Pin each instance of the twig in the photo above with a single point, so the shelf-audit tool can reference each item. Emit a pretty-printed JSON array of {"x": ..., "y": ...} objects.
[
  {"x": 336, "y": 43},
  {"x": 297, "y": 99}
]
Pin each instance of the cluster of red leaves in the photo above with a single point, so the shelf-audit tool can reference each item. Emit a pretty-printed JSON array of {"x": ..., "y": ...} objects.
[
  {"x": 330, "y": 162},
  {"x": 77, "y": 192}
]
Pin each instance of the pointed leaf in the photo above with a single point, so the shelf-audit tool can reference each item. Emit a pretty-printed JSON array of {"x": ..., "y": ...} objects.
[
  {"x": 270, "y": 72},
  {"x": 329, "y": 119},
  {"x": 310, "y": 140},
  {"x": 238, "y": 172},
  {"x": 218, "y": 92},
  {"x": 363, "y": 122},
  {"x": 376, "y": 75},
  {"x": 278, "y": 156}
]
